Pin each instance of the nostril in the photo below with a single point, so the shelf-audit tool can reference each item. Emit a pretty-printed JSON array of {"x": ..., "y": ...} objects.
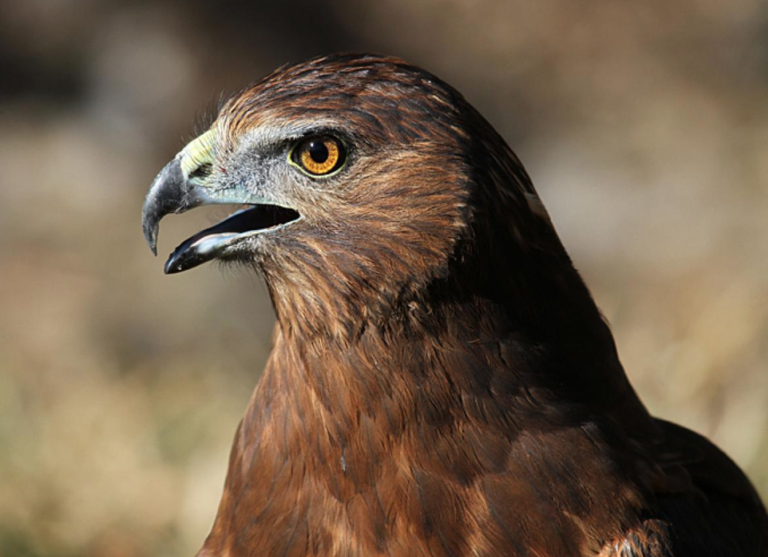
[{"x": 202, "y": 171}]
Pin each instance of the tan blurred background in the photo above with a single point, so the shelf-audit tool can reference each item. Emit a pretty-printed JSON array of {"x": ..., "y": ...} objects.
[{"x": 644, "y": 126}]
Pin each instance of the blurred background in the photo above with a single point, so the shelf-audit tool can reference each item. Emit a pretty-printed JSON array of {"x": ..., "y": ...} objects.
[{"x": 643, "y": 125}]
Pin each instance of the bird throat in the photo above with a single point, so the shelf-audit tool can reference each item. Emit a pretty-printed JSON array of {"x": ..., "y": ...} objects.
[{"x": 415, "y": 415}]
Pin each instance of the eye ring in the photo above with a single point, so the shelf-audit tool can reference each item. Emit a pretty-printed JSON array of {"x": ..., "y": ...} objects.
[{"x": 318, "y": 156}]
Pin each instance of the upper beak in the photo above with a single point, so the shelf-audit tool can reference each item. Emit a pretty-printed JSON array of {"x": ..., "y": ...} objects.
[{"x": 170, "y": 192}]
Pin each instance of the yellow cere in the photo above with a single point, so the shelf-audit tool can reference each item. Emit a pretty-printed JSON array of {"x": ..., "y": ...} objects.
[{"x": 198, "y": 152}]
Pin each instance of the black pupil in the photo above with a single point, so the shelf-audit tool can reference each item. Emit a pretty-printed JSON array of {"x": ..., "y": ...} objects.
[{"x": 318, "y": 151}]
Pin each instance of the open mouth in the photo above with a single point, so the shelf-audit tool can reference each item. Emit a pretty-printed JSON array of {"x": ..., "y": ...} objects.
[{"x": 209, "y": 243}]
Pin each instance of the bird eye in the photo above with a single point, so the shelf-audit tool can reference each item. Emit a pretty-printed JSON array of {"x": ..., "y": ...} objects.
[{"x": 319, "y": 156}]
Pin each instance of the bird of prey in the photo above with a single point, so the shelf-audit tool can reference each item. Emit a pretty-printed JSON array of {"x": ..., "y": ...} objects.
[{"x": 441, "y": 382}]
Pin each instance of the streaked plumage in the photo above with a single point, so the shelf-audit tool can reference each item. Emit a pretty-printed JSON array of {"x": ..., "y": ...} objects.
[{"x": 441, "y": 381}]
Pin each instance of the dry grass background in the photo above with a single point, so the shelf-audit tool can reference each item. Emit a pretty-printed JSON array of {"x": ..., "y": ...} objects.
[{"x": 644, "y": 126}]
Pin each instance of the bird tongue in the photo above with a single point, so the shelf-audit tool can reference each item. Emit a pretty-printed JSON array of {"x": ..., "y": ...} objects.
[{"x": 208, "y": 243}]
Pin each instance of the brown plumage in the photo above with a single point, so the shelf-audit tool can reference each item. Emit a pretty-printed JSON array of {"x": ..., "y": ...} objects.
[{"x": 441, "y": 382}]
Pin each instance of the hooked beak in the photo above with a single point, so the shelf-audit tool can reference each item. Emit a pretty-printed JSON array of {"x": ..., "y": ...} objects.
[
  {"x": 170, "y": 193},
  {"x": 173, "y": 191}
]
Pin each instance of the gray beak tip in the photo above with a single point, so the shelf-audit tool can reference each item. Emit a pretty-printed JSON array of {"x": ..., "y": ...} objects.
[{"x": 150, "y": 235}]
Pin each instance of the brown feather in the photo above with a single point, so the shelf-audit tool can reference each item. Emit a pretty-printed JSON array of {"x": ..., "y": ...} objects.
[{"x": 441, "y": 382}]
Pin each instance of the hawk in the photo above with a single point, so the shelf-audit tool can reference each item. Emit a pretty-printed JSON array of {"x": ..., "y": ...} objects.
[{"x": 441, "y": 381}]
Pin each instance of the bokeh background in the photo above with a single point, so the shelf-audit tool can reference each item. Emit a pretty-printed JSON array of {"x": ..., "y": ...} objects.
[{"x": 643, "y": 124}]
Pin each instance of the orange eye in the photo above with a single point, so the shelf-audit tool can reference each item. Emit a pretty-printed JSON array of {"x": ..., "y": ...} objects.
[{"x": 319, "y": 156}]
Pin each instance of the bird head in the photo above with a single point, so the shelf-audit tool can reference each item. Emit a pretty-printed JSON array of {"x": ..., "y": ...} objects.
[{"x": 363, "y": 179}]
